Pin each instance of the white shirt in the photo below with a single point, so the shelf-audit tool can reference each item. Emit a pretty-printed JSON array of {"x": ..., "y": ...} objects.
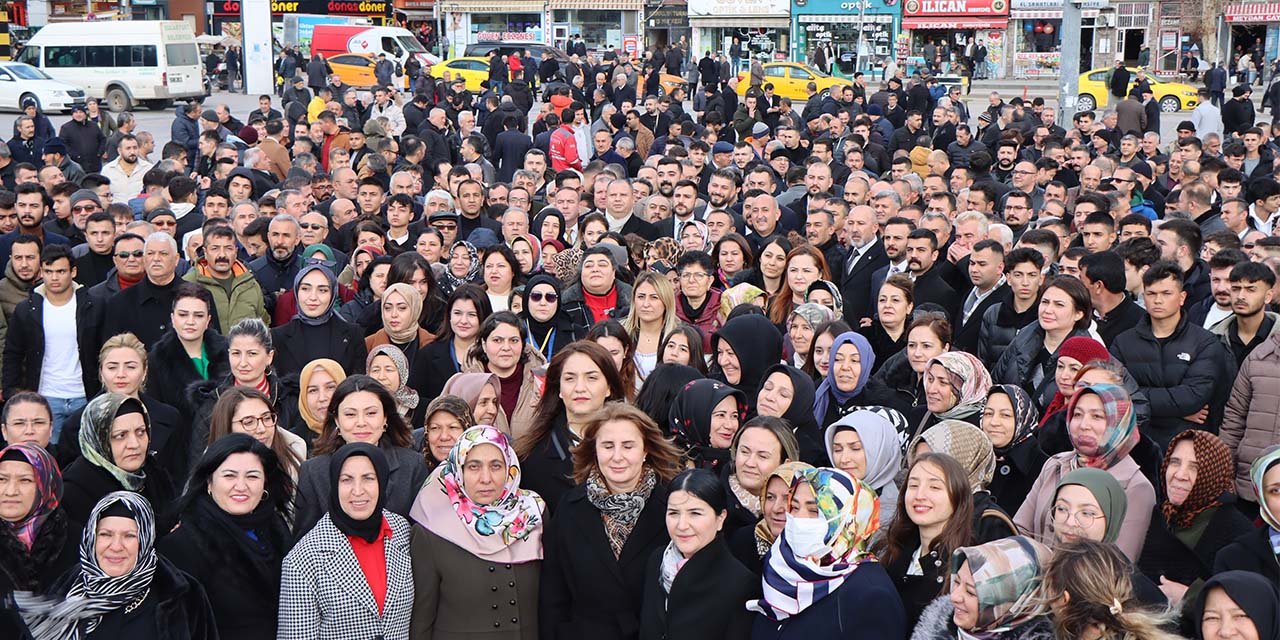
[
  {"x": 60, "y": 372},
  {"x": 125, "y": 186},
  {"x": 1216, "y": 314},
  {"x": 499, "y": 302}
]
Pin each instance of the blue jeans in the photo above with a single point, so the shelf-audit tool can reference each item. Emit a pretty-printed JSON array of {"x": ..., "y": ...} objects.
[{"x": 63, "y": 408}]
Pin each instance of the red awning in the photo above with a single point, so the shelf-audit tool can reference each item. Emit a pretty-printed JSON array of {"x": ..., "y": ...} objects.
[
  {"x": 994, "y": 22},
  {"x": 1253, "y": 12}
]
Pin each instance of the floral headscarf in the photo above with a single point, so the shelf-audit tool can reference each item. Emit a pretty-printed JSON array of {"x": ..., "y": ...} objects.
[
  {"x": 566, "y": 263},
  {"x": 967, "y": 444},
  {"x": 1215, "y": 476},
  {"x": 663, "y": 250},
  {"x": 702, "y": 229},
  {"x": 316, "y": 423},
  {"x": 1024, "y": 414},
  {"x": 95, "y": 435},
  {"x": 473, "y": 271},
  {"x": 852, "y": 512},
  {"x": 828, "y": 391},
  {"x": 406, "y": 398},
  {"x": 1121, "y": 433},
  {"x": 1007, "y": 575},
  {"x": 514, "y": 517},
  {"x": 969, "y": 378},
  {"x": 837, "y": 298},
  {"x": 736, "y": 295},
  {"x": 48, "y": 490},
  {"x": 1257, "y": 472}
]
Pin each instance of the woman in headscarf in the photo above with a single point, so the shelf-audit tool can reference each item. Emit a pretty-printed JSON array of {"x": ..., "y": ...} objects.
[
  {"x": 996, "y": 594},
  {"x": 1254, "y": 551},
  {"x": 742, "y": 350},
  {"x": 401, "y": 307},
  {"x": 1090, "y": 504},
  {"x": 363, "y": 309},
  {"x": 848, "y": 384},
  {"x": 969, "y": 446},
  {"x": 286, "y": 305},
  {"x": 463, "y": 267},
  {"x": 233, "y": 534},
  {"x": 1103, "y": 432},
  {"x": 549, "y": 225},
  {"x": 316, "y": 331},
  {"x": 694, "y": 236},
  {"x": 864, "y": 444},
  {"x": 528, "y": 252},
  {"x": 827, "y": 294},
  {"x": 1196, "y": 516},
  {"x": 37, "y": 542},
  {"x": 704, "y": 419},
  {"x": 606, "y": 528},
  {"x": 472, "y": 515},
  {"x": 1009, "y": 420},
  {"x": 1074, "y": 354},
  {"x": 315, "y": 389},
  {"x": 955, "y": 388},
  {"x": 483, "y": 392},
  {"x": 1227, "y": 595},
  {"x": 819, "y": 579},
  {"x": 739, "y": 295},
  {"x": 801, "y": 328},
  {"x": 750, "y": 545},
  {"x": 550, "y": 328},
  {"x": 387, "y": 365},
  {"x": 122, "y": 588},
  {"x": 115, "y": 442},
  {"x": 352, "y": 573},
  {"x": 447, "y": 417},
  {"x": 694, "y": 588},
  {"x": 787, "y": 392}
]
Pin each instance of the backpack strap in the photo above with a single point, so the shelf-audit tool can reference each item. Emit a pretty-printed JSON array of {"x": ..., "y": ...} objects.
[{"x": 1002, "y": 516}]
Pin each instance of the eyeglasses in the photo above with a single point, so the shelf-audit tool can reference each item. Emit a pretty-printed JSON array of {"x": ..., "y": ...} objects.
[
  {"x": 125, "y": 255},
  {"x": 267, "y": 420},
  {"x": 23, "y": 424},
  {"x": 164, "y": 223},
  {"x": 1084, "y": 517},
  {"x": 446, "y": 227},
  {"x": 538, "y": 296},
  {"x": 693, "y": 276}
]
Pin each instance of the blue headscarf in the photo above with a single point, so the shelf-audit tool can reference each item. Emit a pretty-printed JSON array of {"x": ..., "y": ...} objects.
[
  {"x": 828, "y": 389},
  {"x": 333, "y": 292}
]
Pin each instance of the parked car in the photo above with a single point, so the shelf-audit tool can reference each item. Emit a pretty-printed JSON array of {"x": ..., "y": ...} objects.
[
  {"x": 790, "y": 80},
  {"x": 356, "y": 70},
  {"x": 19, "y": 81},
  {"x": 535, "y": 49},
  {"x": 1094, "y": 92},
  {"x": 473, "y": 70}
]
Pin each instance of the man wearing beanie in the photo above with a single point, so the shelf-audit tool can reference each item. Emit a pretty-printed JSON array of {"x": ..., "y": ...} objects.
[
  {"x": 1237, "y": 113},
  {"x": 84, "y": 140}
]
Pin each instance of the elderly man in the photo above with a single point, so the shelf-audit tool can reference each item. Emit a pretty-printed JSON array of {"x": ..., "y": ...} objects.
[{"x": 144, "y": 309}]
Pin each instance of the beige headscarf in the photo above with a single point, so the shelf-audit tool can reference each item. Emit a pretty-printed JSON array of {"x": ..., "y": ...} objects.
[
  {"x": 414, "y": 299},
  {"x": 331, "y": 367},
  {"x": 967, "y": 444}
]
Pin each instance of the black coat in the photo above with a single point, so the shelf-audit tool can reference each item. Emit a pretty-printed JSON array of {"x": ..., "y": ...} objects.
[
  {"x": 1179, "y": 375},
  {"x": 24, "y": 343},
  {"x": 1025, "y": 353},
  {"x": 1000, "y": 323},
  {"x": 864, "y": 607},
  {"x": 855, "y": 285},
  {"x": 243, "y": 587},
  {"x": 585, "y": 592},
  {"x": 297, "y": 344},
  {"x": 1016, "y": 472},
  {"x": 932, "y": 287},
  {"x": 548, "y": 469},
  {"x": 432, "y": 367},
  {"x": 1237, "y": 116},
  {"x": 1250, "y": 552},
  {"x": 144, "y": 310},
  {"x": 967, "y": 334},
  {"x": 918, "y": 591},
  {"x": 56, "y": 549},
  {"x": 1163, "y": 554},
  {"x": 707, "y": 599},
  {"x": 168, "y": 432},
  {"x": 175, "y": 609},
  {"x": 201, "y": 395},
  {"x": 170, "y": 366},
  {"x": 84, "y": 484}
]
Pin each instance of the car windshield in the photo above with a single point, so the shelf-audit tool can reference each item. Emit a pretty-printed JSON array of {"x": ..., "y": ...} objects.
[
  {"x": 26, "y": 72},
  {"x": 411, "y": 44},
  {"x": 817, "y": 73}
]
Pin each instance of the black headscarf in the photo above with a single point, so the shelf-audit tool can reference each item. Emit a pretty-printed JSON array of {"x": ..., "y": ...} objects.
[
  {"x": 758, "y": 346},
  {"x": 690, "y": 419},
  {"x": 1251, "y": 592},
  {"x": 369, "y": 528},
  {"x": 540, "y": 332},
  {"x": 800, "y": 413},
  {"x": 547, "y": 212}
]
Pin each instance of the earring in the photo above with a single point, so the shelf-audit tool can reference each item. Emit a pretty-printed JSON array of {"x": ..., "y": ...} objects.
[{"x": 265, "y": 494}]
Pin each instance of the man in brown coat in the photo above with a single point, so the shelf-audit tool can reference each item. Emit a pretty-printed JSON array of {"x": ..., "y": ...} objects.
[
  {"x": 1131, "y": 116},
  {"x": 334, "y": 137},
  {"x": 273, "y": 146}
]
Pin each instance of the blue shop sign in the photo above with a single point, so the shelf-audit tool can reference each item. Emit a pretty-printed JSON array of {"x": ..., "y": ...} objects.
[{"x": 837, "y": 7}]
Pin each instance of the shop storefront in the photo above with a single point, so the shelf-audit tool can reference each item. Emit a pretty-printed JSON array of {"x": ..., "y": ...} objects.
[
  {"x": 834, "y": 27},
  {"x": 602, "y": 23},
  {"x": 225, "y": 19},
  {"x": 949, "y": 24},
  {"x": 1251, "y": 23},
  {"x": 665, "y": 23},
  {"x": 471, "y": 21},
  {"x": 1035, "y": 38},
  {"x": 760, "y": 26}
]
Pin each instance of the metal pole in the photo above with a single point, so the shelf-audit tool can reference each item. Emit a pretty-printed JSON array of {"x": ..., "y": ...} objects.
[
  {"x": 1069, "y": 60},
  {"x": 435, "y": 6},
  {"x": 862, "y": 20}
]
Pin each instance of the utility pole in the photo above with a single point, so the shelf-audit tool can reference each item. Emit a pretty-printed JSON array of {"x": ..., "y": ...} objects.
[{"x": 1069, "y": 63}]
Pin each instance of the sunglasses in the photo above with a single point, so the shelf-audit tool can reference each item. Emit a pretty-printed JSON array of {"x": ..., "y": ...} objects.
[
  {"x": 311, "y": 226},
  {"x": 446, "y": 227},
  {"x": 125, "y": 255},
  {"x": 538, "y": 296},
  {"x": 82, "y": 208}
]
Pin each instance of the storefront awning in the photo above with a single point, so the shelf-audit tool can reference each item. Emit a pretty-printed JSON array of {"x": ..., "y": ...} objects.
[
  {"x": 1253, "y": 12},
  {"x": 608, "y": 5},
  {"x": 494, "y": 6},
  {"x": 772, "y": 22},
  {"x": 1036, "y": 14},
  {"x": 843, "y": 18},
  {"x": 957, "y": 23}
]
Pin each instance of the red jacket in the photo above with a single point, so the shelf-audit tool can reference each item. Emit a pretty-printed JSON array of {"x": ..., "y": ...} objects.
[
  {"x": 708, "y": 321},
  {"x": 564, "y": 149}
]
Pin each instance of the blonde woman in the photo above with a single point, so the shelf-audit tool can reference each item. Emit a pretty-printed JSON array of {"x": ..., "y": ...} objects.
[{"x": 653, "y": 315}]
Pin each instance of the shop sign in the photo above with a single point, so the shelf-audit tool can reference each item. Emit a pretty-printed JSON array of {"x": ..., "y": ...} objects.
[
  {"x": 956, "y": 7},
  {"x": 1036, "y": 5},
  {"x": 837, "y": 7},
  {"x": 717, "y": 8},
  {"x": 504, "y": 36},
  {"x": 1253, "y": 12},
  {"x": 668, "y": 16},
  {"x": 631, "y": 44},
  {"x": 317, "y": 7}
]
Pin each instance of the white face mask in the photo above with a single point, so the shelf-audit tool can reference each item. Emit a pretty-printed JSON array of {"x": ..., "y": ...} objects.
[{"x": 807, "y": 536}]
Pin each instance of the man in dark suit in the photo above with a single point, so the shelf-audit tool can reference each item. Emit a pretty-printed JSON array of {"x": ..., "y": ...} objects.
[
  {"x": 986, "y": 275},
  {"x": 922, "y": 255},
  {"x": 894, "y": 241},
  {"x": 619, "y": 208},
  {"x": 684, "y": 204},
  {"x": 866, "y": 255}
]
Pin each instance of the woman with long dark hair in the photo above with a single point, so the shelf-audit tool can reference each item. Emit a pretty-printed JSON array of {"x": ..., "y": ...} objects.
[
  {"x": 468, "y": 306},
  {"x": 620, "y": 345},
  {"x": 414, "y": 270},
  {"x": 659, "y": 392},
  {"x": 683, "y": 346},
  {"x": 233, "y": 534},
  {"x": 248, "y": 411},
  {"x": 502, "y": 348}
]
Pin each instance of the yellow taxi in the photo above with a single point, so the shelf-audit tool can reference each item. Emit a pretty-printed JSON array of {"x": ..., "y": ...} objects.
[
  {"x": 356, "y": 69},
  {"x": 1095, "y": 91},
  {"x": 790, "y": 80},
  {"x": 472, "y": 69}
]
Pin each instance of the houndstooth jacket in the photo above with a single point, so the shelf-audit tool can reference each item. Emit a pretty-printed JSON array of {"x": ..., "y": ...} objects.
[{"x": 324, "y": 595}]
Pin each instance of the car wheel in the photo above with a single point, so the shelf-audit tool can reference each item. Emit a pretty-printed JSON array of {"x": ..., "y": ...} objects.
[
  {"x": 1086, "y": 102},
  {"x": 118, "y": 101},
  {"x": 1170, "y": 104}
]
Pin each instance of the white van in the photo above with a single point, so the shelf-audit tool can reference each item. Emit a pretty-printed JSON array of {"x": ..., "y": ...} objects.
[{"x": 159, "y": 63}]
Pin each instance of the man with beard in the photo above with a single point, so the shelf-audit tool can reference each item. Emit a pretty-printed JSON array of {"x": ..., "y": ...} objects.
[
  {"x": 236, "y": 293},
  {"x": 684, "y": 197},
  {"x": 668, "y": 175},
  {"x": 126, "y": 171},
  {"x": 276, "y": 270},
  {"x": 20, "y": 274},
  {"x": 922, "y": 256},
  {"x": 894, "y": 246},
  {"x": 31, "y": 210},
  {"x": 1006, "y": 158}
]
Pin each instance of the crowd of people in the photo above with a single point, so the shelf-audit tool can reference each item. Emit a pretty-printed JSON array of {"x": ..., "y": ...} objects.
[{"x": 618, "y": 367}]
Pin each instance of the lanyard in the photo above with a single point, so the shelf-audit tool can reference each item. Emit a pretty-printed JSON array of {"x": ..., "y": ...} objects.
[{"x": 549, "y": 339}]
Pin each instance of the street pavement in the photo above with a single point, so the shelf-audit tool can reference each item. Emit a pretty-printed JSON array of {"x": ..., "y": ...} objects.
[{"x": 158, "y": 122}]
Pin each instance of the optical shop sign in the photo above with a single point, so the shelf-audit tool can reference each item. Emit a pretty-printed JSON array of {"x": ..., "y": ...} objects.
[{"x": 721, "y": 8}]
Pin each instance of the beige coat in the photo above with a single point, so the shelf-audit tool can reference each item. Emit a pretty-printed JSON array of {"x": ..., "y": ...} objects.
[
  {"x": 530, "y": 389},
  {"x": 1251, "y": 421}
]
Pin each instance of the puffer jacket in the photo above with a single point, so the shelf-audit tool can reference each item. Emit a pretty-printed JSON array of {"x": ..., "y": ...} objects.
[
  {"x": 1180, "y": 375},
  {"x": 935, "y": 624},
  {"x": 186, "y": 132},
  {"x": 1251, "y": 421},
  {"x": 242, "y": 299},
  {"x": 530, "y": 388},
  {"x": 1014, "y": 366},
  {"x": 1000, "y": 323},
  {"x": 575, "y": 306},
  {"x": 708, "y": 321}
]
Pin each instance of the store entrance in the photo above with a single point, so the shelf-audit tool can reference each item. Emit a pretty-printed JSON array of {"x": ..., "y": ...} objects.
[
  {"x": 1086, "y": 49},
  {"x": 950, "y": 43},
  {"x": 1131, "y": 44}
]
